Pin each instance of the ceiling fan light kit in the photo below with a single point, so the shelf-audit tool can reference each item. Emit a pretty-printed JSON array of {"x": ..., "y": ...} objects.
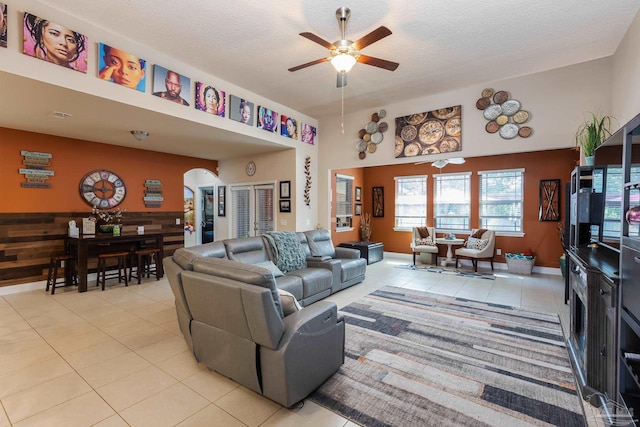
[{"x": 343, "y": 63}]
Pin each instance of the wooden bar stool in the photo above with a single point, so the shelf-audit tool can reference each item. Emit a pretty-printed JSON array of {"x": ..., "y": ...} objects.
[
  {"x": 144, "y": 258},
  {"x": 122, "y": 268},
  {"x": 55, "y": 262}
]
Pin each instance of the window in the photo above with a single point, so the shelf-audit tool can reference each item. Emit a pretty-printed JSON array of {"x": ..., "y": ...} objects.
[
  {"x": 411, "y": 201},
  {"x": 452, "y": 201},
  {"x": 344, "y": 201},
  {"x": 501, "y": 199},
  {"x": 613, "y": 204}
]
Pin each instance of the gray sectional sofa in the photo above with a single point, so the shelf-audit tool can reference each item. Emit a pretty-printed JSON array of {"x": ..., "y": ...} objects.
[{"x": 232, "y": 315}]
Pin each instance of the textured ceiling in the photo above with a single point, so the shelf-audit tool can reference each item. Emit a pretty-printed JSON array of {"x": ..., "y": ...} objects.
[{"x": 439, "y": 45}]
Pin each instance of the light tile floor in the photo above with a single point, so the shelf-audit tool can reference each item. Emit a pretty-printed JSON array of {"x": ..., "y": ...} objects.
[{"x": 117, "y": 358}]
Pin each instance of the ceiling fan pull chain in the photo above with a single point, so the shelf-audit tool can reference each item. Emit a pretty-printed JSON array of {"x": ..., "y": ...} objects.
[{"x": 342, "y": 104}]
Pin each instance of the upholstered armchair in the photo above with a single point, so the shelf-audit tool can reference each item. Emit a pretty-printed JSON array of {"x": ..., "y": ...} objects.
[
  {"x": 479, "y": 245},
  {"x": 421, "y": 244}
]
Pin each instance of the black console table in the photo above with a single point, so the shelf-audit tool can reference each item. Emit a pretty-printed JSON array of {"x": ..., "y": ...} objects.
[{"x": 371, "y": 251}]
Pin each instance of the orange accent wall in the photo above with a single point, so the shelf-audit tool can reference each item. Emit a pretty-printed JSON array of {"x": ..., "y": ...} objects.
[
  {"x": 541, "y": 237},
  {"x": 73, "y": 158}
]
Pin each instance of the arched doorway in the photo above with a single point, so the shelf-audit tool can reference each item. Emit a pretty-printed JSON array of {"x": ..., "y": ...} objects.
[{"x": 200, "y": 222}]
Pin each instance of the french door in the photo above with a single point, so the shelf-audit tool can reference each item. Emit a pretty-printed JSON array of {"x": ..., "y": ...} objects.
[{"x": 252, "y": 210}]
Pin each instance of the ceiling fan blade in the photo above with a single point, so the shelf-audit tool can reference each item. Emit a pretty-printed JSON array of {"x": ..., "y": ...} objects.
[
  {"x": 456, "y": 160},
  {"x": 377, "y": 62},
  {"x": 319, "y": 40},
  {"x": 372, "y": 37},
  {"x": 342, "y": 80},
  {"x": 308, "y": 64}
]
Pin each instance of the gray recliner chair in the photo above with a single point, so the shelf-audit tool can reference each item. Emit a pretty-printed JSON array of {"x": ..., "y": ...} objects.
[
  {"x": 238, "y": 330},
  {"x": 348, "y": 271}
]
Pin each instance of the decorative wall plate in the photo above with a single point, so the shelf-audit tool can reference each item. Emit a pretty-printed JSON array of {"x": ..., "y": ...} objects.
[
  {"x": 521, "y": 117},
  {"x": 371, "y": 127},
  {"x": 509, "y": 131},
  {"x": 500, "y": 97},
  {"x": 492, "y": 112},
  {"x": 510, "y": 107}
]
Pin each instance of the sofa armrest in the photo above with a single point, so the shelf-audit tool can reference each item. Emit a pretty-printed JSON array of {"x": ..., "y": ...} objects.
[
  {"x": 310, "y": 320},
  {"x": 318, "y": 258},
  {"x": 347, "y": 253},
  {"x": 335, "y": 265},
  {"x": 310, "y": 351}
]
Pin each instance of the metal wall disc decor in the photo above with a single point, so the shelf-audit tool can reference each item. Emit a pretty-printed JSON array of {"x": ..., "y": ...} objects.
[
  {"x": 431, "y": 132},
  {"x": 504, "y": 115},
  {"x": 371, "y": 135}
]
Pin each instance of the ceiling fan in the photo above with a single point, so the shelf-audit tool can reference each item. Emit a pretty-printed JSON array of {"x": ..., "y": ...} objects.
[
  {"x": 444, "y": 162},
  {"x": 345, "y": 53}
]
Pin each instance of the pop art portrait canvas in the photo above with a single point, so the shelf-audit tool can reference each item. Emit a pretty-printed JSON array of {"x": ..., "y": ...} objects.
[
  {"x": 54, "y": 43},
  {"x": 209, "y": 99}
]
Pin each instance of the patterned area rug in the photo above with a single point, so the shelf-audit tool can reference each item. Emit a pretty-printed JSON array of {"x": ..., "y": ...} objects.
[
  {"x": 455, "y": 272},
  {"x": 420, "y": 359}
]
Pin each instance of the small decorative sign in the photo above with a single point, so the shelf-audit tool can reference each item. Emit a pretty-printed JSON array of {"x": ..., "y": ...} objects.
[
  {"x": 34, "y": 172},
  {"x": 153, "y": 193}
]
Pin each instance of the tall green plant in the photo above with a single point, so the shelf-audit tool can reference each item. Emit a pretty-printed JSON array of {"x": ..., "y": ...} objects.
[{"x": 592, "y": 133}]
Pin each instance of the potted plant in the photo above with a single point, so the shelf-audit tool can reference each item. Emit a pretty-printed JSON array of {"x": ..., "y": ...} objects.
[{"x": 591, "y": 133}]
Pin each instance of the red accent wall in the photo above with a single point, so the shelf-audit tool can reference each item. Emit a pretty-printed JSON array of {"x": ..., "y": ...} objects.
[
  {"x": 73, "y": 158},
  {"x": 541, "y": 237}
]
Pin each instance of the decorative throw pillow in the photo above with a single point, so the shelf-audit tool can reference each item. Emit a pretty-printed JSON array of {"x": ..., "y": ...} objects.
[
  {"x": 477, "y": 233},
  {"x": 271, "y": 267},
  {"x": 479, "y": 244},
  {"x": 428, "y": 241},
  {"x": 288, "y": 252},
  {"x": 289, "y": 303},
  {"x": 423, "y": 232}
]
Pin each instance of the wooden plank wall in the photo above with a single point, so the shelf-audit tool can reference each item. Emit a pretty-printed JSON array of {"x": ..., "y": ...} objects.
[{"x": 28, "y": 240}]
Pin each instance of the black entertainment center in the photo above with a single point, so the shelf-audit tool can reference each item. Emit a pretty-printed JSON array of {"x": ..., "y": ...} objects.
[{"x": 604, "y": 277}]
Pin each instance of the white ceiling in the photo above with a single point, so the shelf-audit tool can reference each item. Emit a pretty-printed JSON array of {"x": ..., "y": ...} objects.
[{"x": 440, "y": 45}]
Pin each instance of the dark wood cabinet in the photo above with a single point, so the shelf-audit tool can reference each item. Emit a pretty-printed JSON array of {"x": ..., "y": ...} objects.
[{"x": 593, "y": 332}]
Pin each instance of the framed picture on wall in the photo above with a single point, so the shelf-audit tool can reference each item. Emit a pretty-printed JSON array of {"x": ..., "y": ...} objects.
[
  {"x": 222, "y": 190},
  {"x": 378, "y": 201},
  {"x": 285, "y": 205},
  {"x": 549, "y": 207},
  {"x": 358, "y": 194},
  {"x": 285, "y": 189},
  {"x": 358, "y": 209}
]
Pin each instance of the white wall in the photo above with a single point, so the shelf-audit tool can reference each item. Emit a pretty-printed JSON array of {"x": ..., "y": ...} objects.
[
  {"x": 556, "y": 99},
  {"x": 626, "y": 75}
]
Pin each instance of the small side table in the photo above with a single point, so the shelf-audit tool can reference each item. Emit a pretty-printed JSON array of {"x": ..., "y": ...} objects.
[
  {"x": 371, "y": 251},
  {"x": 449, "y": 243}
]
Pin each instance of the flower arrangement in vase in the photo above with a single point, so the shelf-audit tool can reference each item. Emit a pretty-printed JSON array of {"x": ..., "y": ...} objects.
[{"x": 107, "y": 220}]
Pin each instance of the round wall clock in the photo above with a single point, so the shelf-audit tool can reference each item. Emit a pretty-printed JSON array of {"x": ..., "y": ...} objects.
[
  {"x": 102, "y": 189},
  {"x": 251, "y": 168}
]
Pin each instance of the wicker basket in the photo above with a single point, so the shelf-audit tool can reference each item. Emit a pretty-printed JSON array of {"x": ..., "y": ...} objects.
[{"x": 520, "y": 265}]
